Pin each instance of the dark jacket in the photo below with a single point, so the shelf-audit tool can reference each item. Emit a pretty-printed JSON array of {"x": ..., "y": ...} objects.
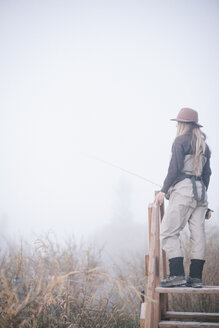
[{"x": 181, "y": 147}]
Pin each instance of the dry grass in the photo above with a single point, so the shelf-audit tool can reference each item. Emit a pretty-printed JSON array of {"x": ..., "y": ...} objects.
[{"x": 50, "y": 285}]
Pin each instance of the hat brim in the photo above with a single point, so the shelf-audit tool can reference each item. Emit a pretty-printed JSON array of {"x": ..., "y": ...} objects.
[{"x": 185, "y": 121}]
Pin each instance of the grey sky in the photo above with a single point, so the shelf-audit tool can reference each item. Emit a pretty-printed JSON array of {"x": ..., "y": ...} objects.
[{"x": 104, "y": 78}]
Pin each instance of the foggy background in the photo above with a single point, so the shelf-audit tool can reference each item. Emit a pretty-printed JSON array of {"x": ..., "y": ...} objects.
[{"x": 99, "y": 78}]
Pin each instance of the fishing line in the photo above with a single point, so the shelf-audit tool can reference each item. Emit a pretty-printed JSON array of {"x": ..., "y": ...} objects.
[{"x": 121, "y": 169}]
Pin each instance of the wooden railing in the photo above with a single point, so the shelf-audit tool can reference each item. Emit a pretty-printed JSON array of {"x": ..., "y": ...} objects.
[{"x": 154, "y": 310}]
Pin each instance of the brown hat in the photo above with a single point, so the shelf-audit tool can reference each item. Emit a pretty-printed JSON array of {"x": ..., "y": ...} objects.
[{"x": 187, "y": 115}]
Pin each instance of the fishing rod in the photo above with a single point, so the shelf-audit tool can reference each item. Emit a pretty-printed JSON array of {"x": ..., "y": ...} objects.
[{"x": 121, "y": 169}]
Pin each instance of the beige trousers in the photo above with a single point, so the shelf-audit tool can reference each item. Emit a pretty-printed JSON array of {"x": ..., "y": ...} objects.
[{"x": 182, "y": 209}]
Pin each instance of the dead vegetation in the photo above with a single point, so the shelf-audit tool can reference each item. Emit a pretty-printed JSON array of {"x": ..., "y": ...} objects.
[{"x": 49, "y": 285}]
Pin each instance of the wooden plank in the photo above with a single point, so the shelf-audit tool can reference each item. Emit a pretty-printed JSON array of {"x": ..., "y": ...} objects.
[
  {"x": 149, "y": 222},
  {"x": 151, "y": 272},
  {"x": 188, "y": 290},
  {"x": 195, "y": 315},
  {"x": 164, "y": 266},
  {"x": 157, "y": 312},
  {"x": 156, "y": 306},
  {"x": 192, "y": 324},
  {"x": 146, "y": 264},
  {"x": 151, "y": 269},
  {"x": 157, "y": 249},
  {"x": 163, "y": 305},
  {"x": 164, "y": 299},
  {"x": 142, "y": 321}
]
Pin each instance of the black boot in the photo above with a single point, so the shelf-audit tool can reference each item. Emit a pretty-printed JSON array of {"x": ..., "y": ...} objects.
[
  {"x": 195, "y": 274},
  {"x": 177, "y": 275}
]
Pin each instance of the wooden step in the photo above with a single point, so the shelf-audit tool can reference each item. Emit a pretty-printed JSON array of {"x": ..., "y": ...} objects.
[
  {"x": 192, "y": 315},
  {"x": 191, "y": 324},
  {"x": 188, "y": 290}
]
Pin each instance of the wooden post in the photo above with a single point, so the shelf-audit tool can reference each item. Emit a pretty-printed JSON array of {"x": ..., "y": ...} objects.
[
  {"x": 146, "y": 264},
  {"x": 164, "y": 266},
  {"x": 156, "y": 313},
  {"x": 154, "y": 310},
  {"x": 149, "y": 318},
  {"x": 143, "y": 305},
  {"x": 149, "y": 222},
  {"x": 164, "y": 298},
  {"x": 156, "y": 303},
  {"x": 149, "y": 234}
]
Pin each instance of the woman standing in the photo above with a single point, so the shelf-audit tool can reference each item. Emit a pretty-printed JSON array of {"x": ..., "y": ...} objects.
[{"x": 185, "y": 186}]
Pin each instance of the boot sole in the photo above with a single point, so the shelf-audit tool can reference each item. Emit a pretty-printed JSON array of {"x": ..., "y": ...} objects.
[
  {"x": 191, "y": 286},
  {"x": 175, "y": 285}
]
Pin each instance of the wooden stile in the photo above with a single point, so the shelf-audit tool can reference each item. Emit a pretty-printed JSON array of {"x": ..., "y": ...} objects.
[
  {"x": 156, "y": 312},
  {"x": 155, "y": 309},
  {"x": 192, "y": 324},
  {"x": 149, "y": 323},
  {"x": 193, "y": 315},
  {"x": 146, "y": 264},
  {"x": 189, "y": 290},
  {"x": 163, "y": 298},
  {"x": 149, "y": 222}
]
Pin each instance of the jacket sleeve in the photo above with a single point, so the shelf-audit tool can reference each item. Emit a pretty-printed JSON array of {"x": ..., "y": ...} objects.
[
  {"x": 175, "y": 166},
  {"x": 206, "y": 173}
]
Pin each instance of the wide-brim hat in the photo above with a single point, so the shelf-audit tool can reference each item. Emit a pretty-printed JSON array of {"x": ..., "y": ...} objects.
[{"x": 187, "y": 115}]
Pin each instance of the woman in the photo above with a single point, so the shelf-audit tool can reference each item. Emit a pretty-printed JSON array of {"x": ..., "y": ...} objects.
[{"x": 185, "y": 186}]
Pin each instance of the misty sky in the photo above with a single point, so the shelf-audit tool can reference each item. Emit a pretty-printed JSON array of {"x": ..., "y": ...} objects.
[{"x": 100, "y": 78}]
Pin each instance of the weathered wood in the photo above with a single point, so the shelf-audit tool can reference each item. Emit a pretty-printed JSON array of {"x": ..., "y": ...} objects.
[
  {"x": 183, "y": 315},
  {"x": 156, "y": 306},
  {"x": 181, "y": 324},
  {"x": 142, "y": 323},
  {"x": 163, "y": 305},
  {"x": 156, "y": 303},
  {"x": 164, "y": 262},
  {"x": 164, "y": 299},
  {"x": 163, "y": 252},
  {"x": 149, "y": 322},
  {"x": 146, "y": 264},
  {"x": 194, "y": 315},
  {"x": 149, "y": 222},
  {"x": 188, "y": 290}
]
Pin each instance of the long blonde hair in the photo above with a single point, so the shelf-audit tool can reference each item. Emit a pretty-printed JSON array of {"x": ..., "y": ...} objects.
[{"x": 197, "y": 141}]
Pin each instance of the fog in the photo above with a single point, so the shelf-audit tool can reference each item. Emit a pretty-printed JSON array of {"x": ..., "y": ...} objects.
[{"x": 85, "y": 79}]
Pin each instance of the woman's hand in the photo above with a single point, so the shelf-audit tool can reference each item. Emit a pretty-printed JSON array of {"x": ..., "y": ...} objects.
[{"x": 159, "y": 198}]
